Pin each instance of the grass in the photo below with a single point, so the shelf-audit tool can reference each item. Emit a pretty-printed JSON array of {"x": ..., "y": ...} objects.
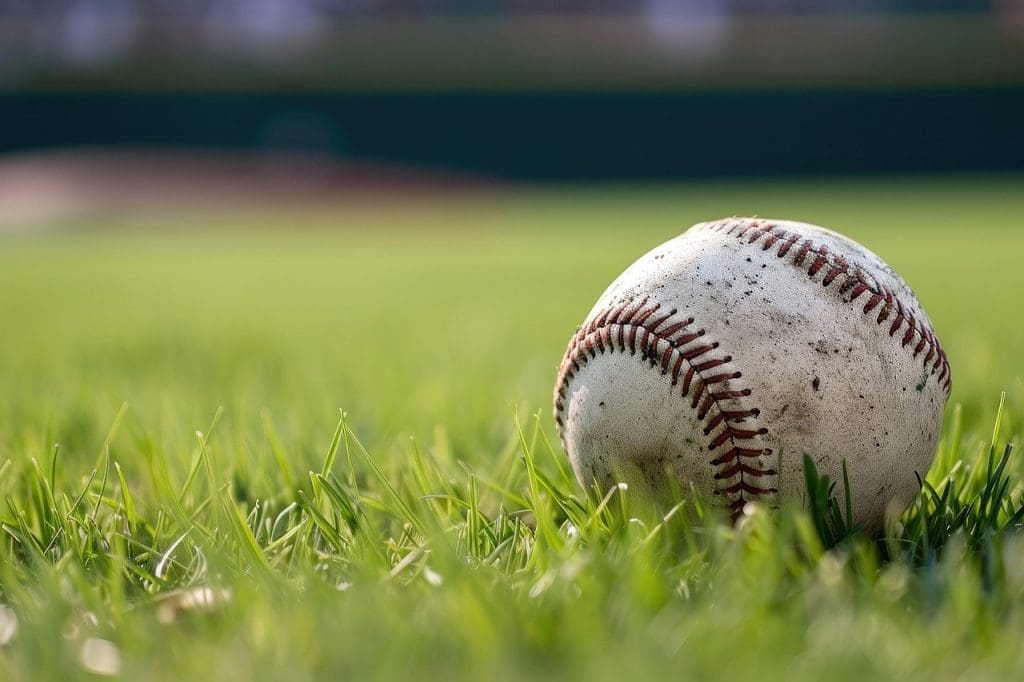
[{"x": 181, "y": 496}]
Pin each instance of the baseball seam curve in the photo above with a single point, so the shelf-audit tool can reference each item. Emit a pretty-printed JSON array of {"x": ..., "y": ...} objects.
[
  {"x": 814, "y": 258},
  {"x": 669, "y": 340}
]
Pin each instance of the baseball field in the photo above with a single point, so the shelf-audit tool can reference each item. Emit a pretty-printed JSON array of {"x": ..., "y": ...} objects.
[{"x": 315, "y": 441}]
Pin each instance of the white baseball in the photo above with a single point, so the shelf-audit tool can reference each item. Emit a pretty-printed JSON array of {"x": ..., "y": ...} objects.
[{"x": 723, "y": 356}]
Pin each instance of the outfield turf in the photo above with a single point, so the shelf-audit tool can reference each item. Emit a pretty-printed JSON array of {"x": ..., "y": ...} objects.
[{"x": 170, "y": 383}]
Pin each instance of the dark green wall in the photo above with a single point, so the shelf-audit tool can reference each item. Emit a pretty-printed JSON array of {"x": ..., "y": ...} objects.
[{"x": 559, "y": 136}]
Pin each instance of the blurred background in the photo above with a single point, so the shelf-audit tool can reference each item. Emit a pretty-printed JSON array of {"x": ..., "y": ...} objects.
[
  {"x": 484, "y": 167},
  {"x": 134, "y": 100}
]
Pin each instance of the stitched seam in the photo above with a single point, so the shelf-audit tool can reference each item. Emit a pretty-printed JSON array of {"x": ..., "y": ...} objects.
[
  {"x": 699, "y": 372},
  {"x": 853, "y": 283}
]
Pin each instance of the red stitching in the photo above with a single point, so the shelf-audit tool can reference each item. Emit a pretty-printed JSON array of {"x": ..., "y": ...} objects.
[
  {"x": 856, "y": 282},
  {"x": 739, "y": 467},
  {"x": 736, "y": 453},
  {"x": 787, "y": 245},
  {"x": 819, "y": 262},
  {"x": 616, "y": 330},
  {"x": 805, "y": 248},
  {"x": 858, "y": 288},
  {"x": 740, "y": 487},
  {"x": 772, "y": 238}
]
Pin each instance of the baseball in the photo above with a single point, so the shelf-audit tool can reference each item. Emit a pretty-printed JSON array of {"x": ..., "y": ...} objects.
[{"x": 723, "y": 356}]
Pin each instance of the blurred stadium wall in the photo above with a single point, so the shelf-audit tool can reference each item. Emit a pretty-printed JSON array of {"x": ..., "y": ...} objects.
[{"x": 528, "y": 89}]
